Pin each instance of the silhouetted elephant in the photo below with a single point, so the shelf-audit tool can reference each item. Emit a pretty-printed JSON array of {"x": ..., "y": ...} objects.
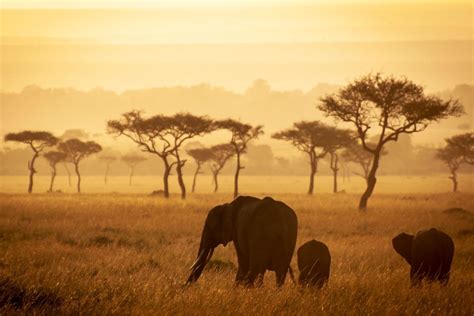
[
  {"x": 314, "y": 262},
  {"x": 264, "y": 236},
  {"x": 429, "y": 253}
]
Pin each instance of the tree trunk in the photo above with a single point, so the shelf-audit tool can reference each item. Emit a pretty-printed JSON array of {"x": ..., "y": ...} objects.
[
  {"x": 236, "y": 177},
  {"x": 131, "y": 175},
  {"x": 106, "y": 173},
  {"x": 76, "y": 167},
  {"x": 314, "y": 168},
  {"x": 53, "y": 176},
  {"x": 455, "y": 180},
  {"x": 335, "y": 169},
  {"x": 166, "y": 175},
  {"x": 31, "y": 167},
  {"x": 179, "y": 172},
  {"x": 216, "y": 184},
  {"x": 68, "y": 174},
  {"x": 371, "y": 181},
  {"x": 195, "y": 176}
]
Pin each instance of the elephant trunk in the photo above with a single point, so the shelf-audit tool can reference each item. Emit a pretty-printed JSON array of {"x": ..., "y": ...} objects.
[{"x": 203, "y": 258}]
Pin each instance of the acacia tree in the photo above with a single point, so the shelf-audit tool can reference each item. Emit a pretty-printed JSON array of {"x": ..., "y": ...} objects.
[
  {"x": 132, "y": 160},
  {"x": 185, "y": 126},
  {"x": 150, "y": 136},
  {"x": 220, "y": 155},
  {"x": 311, "y": 137},
  {"x": 38, "y": 141},
  {"x": 108, "y": 159},
  {"x": 75, "y": 151},
  {"x": 339, "y": 138},
  {"x": 200, "y": 156},
  {"x": 392, "y": 106},
  {"x": 242, "y": 134},
  {"x": 458, "y": 150},
  {"x": 464, "y": 144},
  {"x": 53, "y": 158}
]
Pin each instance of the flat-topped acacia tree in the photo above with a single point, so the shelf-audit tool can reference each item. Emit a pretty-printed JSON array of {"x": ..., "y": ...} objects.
[
  {"x": 76, "y": 150},
  {"x": 162, "y": 136},
  {"x": 185, "y": 126},
  {"x": 149, "y": 134},
  {"x": 458, "y": 150},
  {"x": 38, "y": 141},
  {"x": 220, "y": 155},
  {"x": 388, "y": 107},
  {"x": 311, "y": 137},
  {"x": 464, "y": 144},
  {"x": 242, "y": 134},
  {"x": 200, "y": 156},
  {"x": 53, "y": 158},
  {"x": 132, "y": 160}
]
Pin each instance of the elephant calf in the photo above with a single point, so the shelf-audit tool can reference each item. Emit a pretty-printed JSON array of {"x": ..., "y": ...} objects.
[
  {"x": 314, "y": 262},
  {"x": 429, "y": 253}
]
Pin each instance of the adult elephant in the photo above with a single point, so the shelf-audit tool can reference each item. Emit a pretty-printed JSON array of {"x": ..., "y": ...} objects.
[
  {"x": 264, "y": 236},
  {"x": 429, "y": 253}
]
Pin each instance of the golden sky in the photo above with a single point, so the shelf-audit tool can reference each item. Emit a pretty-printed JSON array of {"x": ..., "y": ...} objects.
[{"x": 122, "y": 45}]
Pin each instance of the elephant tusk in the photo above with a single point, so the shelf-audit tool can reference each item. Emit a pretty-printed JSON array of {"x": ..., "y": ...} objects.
[
  {"x": 199, "y": 258},
  {"x": 209, "y": 255}
]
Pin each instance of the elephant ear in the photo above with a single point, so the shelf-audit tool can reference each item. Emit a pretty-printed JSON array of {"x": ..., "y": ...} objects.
[
  {"x": 227, "y": 223},
  {"x": 403, "y": 245}
]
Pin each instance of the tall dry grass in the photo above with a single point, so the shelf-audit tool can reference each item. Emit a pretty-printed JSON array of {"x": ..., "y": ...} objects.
[{"x": 116, "y": 254}]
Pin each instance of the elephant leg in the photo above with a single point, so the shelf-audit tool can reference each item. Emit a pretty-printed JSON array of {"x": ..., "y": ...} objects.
[
  {"x": 280, "y": 277},
  {"x": 255, "y": 278},
  {"x": 241, "y": 276},
  {"x": 415, "y": 277},
  {"x": 444, "y": 278}
]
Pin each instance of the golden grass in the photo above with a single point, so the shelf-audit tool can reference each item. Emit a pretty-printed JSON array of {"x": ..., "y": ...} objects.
[{"x": 118, "y": 253}]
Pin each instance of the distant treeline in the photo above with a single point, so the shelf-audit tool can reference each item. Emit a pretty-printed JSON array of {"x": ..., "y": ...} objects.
[{"x": 403, "y": 158}]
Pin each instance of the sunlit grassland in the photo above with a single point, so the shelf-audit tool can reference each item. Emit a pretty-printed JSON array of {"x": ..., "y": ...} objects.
[
  {"x": 250, "y": 184},
  {"x": 130, "y": 253}
]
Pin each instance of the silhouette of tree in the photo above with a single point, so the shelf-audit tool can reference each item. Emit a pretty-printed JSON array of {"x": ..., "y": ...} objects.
[
  {"x": 53, "y": 158},
  {"x": 458, "y": 150},
  {"x": 150, "y": 136},
  {"x": 132, "y": 160},
  {"x": 355, "y": 153},
  {"x": 242, "y": 134},
  {"x": 38, "y": 141},
  {"x": 220, "y": 155},
  {"x": 108, "y": 159},
  {"x": 75, "y": 151},
  {"x": 339, "y": 138},
  {"x": 200, "y": 156},
  {"x": 308, "y": 137},
  {"x": 184, "y": 127},
  {"x": 390, "y": 105},
  {"x": 170, "y": 132},
  {"x": 464, "y": 144}
]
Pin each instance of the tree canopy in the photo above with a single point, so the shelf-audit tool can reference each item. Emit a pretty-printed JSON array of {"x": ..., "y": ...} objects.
[
  {"x": 76, "y": 149},
  {"x": 54, "y": 157},
  {"x": 394, "y": 105},
  {"x": 38, "y": 140}
]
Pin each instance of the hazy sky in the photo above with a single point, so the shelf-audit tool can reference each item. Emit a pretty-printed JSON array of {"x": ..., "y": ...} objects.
[{"x": 121, "y": 45}]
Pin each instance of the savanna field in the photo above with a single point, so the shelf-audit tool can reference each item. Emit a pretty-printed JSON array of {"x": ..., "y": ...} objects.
[{"x": 123, "y": 253}]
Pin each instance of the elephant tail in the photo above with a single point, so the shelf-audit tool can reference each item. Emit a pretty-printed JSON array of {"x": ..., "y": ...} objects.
[{"x": 292, "y": 276}]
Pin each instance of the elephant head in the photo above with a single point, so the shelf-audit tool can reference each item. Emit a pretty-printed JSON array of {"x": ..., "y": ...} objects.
[
  {"x": 217, "y": 230},
  {"x": 403, "y": 244}
]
